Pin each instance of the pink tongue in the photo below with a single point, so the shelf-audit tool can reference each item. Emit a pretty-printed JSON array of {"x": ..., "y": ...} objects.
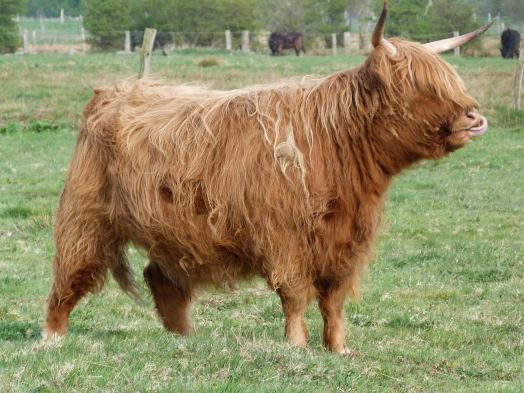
[{"x": 477, "y": 131}]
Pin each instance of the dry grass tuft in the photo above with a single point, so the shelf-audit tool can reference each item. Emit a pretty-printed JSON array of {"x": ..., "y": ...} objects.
[{"x": 210, "y": 61}]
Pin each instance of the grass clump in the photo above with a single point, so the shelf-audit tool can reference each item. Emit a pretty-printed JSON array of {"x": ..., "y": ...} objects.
[
  {"x": 210, "y": 61},
  {"x": 33, "y": 126}
]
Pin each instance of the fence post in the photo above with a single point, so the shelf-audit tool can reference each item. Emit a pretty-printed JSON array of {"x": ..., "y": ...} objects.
[
  {"x": 228, "y": 39},
  {"x": 83, "y": 38},
  {"x": 519, "y": 74},
  {"x": 26, "y": 41},
  {"x": 42, "y": 25},
  {"x": 34, "y": 42},
  {"x": 127, "y": 47},
  {"x": 146, "y": 52},
  {"x": 245, "y": 41},
  {"x": 489, "y": 17},
  {"x": 457, "y": 49},
  {"x": 347, "y": 41},
  {"x": 62, "y": 17},
  {"x": 334, "y": 44}
]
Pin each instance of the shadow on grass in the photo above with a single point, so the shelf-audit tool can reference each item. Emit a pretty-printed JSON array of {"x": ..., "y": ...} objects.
[
  {"x": 18, "y": 330},
  {"x": 17, "y": 212}
]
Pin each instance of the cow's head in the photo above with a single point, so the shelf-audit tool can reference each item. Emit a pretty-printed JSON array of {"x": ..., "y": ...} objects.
[
  {"x": 424, "y": 102},
  {"x": 508, "y": 52}
]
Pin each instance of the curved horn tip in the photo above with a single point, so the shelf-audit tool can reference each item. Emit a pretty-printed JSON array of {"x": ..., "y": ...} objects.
[
  {"x": 378, "y": 33},
  {"x": 377, "y": 38},
  {"x": 450, "y": 43}
]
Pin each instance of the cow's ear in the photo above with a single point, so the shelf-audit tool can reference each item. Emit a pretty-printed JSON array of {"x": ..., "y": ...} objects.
[{"x": 378, "y": 34}]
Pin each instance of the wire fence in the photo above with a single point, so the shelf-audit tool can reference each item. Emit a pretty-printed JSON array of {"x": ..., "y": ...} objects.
[{"x": 68, "y": 34}]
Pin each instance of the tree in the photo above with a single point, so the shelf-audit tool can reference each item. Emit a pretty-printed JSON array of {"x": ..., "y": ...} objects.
[
  {"x": 9, "y": 35},
  {"x": 282, "y": 15},
  {"x": 51, "y": 8},
  {"x": 107, "y": 21},
  {"x": 200, "y": 22},
  {"x": 446, "y": 16},
  {"x": 407, "y": 19},
  {"x": 328, "y": 16},
  {"x": 513, "y": 9}
]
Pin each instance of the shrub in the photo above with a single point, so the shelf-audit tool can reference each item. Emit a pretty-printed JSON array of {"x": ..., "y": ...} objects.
[
  {"x": 10, "y": 39},
  {"x": 107, "y": 21}
]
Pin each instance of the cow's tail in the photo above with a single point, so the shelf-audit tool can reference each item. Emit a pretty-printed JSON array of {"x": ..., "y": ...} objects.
[{"x": 123, "y": 275}]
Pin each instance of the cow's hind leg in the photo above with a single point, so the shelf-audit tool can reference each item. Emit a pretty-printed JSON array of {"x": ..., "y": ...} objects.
[
  {"x": 85, "y": 249},
  {"x": 172, "y": 299},
  {"x": 294, "y": 303}
]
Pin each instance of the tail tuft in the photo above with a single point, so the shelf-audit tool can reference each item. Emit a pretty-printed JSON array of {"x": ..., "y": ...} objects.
[{"x": 123, "y": 275}]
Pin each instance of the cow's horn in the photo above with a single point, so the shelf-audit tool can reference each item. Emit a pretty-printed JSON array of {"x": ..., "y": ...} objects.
[
  {"x": 452, "y": 43},
  {"x": 378, "y": 34}
]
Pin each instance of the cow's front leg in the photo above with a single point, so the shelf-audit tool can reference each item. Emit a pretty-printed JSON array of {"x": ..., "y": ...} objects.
[
  {"x": 331, "y": 296},
  {"x": 294, "y": 304}
]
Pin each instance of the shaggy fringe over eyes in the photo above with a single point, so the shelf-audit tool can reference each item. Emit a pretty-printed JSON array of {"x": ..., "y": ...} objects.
[{"x": 415, "y": 69}]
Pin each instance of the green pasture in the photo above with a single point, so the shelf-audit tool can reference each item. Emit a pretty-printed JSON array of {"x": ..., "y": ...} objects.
[
  {"x": 52, "y": 31},
  {"x": 442, "y": 306}
]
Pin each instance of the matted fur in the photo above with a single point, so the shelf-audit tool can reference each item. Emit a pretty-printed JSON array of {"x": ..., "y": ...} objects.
[{"x": 285, "y": 181}]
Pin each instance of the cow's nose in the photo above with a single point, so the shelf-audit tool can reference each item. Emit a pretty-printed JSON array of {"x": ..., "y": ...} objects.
[{"x": 473, "y": 114}]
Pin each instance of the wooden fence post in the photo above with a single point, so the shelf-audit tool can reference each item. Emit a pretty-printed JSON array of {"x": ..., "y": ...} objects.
[
  {"x": 62, "y": 16},
  {"x": 83, "y": 38},
  {"x": 334, "y": 44},
  {"x": 245, "y": 41},
  {"x": 347, "y": 41},
  {"x": 519, "y": 74},
  {"x": 42, "y": 25},
  {"x": 146, "y": 52},
  {"x": 457, "y": 49},
  {"x": 34, "y": 50},
  {"x": 26, "y": 41},
  {"x": 127, "y": 45},
  {"x": 228, "y": 39}
]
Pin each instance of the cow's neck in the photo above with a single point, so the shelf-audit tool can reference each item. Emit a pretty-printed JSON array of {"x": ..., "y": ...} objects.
[{"x": 367, "y": 129}]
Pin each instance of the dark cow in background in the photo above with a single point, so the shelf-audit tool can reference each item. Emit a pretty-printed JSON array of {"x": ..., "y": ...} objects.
[
  {"x": 510, "y": 41},
  {"x": 162, "y": 40},
  {"x": 286, "y": 40}
]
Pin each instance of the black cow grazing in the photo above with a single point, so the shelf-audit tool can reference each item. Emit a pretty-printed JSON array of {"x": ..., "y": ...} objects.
[
  {"x": 286, "y": 40},
  {"x": 510, "y": 41}
]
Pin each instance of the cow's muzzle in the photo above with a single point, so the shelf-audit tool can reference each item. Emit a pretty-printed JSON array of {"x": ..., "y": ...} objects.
[{"x": 479, "y": 123}]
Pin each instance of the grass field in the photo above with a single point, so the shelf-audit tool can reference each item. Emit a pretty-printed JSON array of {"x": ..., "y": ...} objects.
[{"x": 442, "y": 306}]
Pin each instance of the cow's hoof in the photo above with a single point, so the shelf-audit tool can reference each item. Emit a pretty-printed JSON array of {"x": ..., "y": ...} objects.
[
  {"x": 342, "y": 350},
  {"x": 51, "y": 338},
  {"x": 299, "y": 342}
]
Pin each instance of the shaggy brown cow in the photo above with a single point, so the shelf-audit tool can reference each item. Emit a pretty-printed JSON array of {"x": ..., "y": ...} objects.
[{"x": 283, "y": 181}]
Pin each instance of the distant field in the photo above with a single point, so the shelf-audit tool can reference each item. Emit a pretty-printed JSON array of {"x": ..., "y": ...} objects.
[
  {"x": 52, "y": 31},
  {"x": 443, "y": 303}
]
